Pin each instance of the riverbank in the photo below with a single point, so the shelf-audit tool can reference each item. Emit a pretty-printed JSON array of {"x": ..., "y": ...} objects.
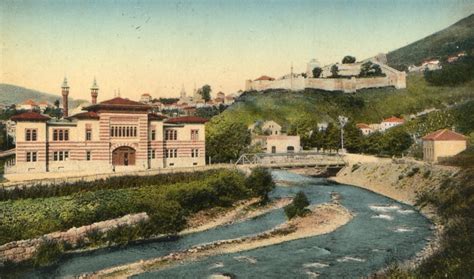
[
  {"x": 403, "y": 181},
  {"x": 323, "y": 219}
]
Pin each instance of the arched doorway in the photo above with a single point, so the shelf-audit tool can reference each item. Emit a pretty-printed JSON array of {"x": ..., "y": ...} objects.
[{"x": 123, "y": 156}]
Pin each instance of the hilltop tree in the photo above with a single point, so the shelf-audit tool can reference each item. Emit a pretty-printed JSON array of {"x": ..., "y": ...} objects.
[
  {"x": 369, "y": 69},
  {"x": 206, "y": 92},
  {"x": 348, "y": 59},
  {"x": 317, "y": 72},
  {"x": 334, "y": 71}
]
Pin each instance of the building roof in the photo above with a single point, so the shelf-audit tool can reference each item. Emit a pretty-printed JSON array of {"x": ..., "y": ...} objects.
[
  {"x": 30, "y": 116},
  {"x": 29, "y": 102},
  {"x": 155, "y": 116},
  {"x": 119, "y": 104},
  {"x": 264, "y": 78},
  {"x": 444, "y": 134},
  {"x": 363, "y": 126},
  {"x": 86, "y": 115},
  {"x": 186, "y": 120},
  {"x": 394, "y": 119}
]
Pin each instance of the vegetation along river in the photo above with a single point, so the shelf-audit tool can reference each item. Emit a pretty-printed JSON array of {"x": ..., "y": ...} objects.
[{"x": 381, "y": 231}]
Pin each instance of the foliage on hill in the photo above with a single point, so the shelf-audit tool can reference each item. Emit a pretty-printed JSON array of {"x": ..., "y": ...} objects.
[
  {"x": 452, "y": 74},
  {"x": 12, "y": 94},
  {"x": 457, "y": 37},
  {"x": 167, "y": 205},
  {"x": 300, "y": 112},
  {"x": 454, "y": 203}
]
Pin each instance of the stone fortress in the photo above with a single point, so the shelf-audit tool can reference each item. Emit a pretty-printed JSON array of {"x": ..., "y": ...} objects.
[{"x": 348, "y": 79}]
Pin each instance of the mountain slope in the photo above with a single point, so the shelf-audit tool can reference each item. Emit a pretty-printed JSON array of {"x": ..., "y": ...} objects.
[
  {"x": 12, "y": 94},
  {"x": 452, "y": 40}
]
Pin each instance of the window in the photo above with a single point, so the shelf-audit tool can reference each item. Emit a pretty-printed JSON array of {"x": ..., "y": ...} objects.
[
  {"x": 60, "y": 135},
  {"x": 88, "y": 134},
  {"x": 194, "y": 134},
  {"x": 153, "y": 134},
  {"x": 60, "y": 155},
  {"x": 171, "y": 134},
  {"x": 151, "y": 154},
  {"x": 171, "y": 153},
  {"x": 88, "y": 155},
  {"x": 194, "y": 153},
  {"x": 31, "y": 156},
  {"x": 30, "y": 134},
  {"x": 123, "y": 131}
]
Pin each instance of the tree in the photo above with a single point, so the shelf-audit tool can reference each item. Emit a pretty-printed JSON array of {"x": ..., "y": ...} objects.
[
  {"x": 298, "y": 206},
  {"x": 334, "y": 71},
  {"x": 353, "y": 138},
  {"x": 206, "y": 92},
  {"x": 56, "y": 103},
  {"x": 261, "y": 183},
  {"x": 369, "y": 69},
  {"x": 348, "y": 59},
  {"x": 226, "y": 139},
  {"x": 317, "y": 72},
  {"x": 332, "y": 137}
]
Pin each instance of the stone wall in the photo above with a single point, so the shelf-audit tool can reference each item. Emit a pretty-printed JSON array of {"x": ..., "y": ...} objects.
[{"x": 18, "y": 251}]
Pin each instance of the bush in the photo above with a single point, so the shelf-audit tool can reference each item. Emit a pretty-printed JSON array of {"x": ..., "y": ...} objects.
[
  {"x": 48, "y": 252},
  {"x": 260, "y": 182},
  {"x": 298, "y": 206},
  {"x": 167, "y": 205}
]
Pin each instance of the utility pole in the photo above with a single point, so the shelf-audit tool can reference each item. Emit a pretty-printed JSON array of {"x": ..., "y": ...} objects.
[{"x": 342, "y": 121}]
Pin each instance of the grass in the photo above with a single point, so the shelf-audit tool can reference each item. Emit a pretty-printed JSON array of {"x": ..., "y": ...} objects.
[{"x": 372, "y": 105}]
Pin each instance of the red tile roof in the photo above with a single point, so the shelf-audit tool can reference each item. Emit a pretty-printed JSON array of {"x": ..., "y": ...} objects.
[
  {"x": 30, "y": 116},
  {"x": 362, "y": 126},
  {"x": 29, "y": 102},
  {"x": 444, "y": 134},
  {"x": 186, "y": 120},
  {"x": 264, "y": 78},
  {"x": 155, "y": 116},
  {"x": 394, "y": 119},
  {"x": 86, "y": 115},
  {"x": 119, "y": 103}
]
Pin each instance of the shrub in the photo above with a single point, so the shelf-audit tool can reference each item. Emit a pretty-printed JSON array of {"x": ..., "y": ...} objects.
[
  {"x": 260, "y": 182},
  {"x": 298, "y": 206},
  {"x": 355, "y": 167},
  {"x": 48, "y": 252}
]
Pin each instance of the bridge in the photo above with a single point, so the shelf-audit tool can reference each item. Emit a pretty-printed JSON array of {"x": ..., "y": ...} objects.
[{"x": 315, "y": 160}]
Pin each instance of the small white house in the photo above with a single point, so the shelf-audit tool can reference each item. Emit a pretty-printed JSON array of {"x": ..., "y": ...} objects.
[
  {"x": 283, "y": 144},
  {"x": 391, "y": 122}
]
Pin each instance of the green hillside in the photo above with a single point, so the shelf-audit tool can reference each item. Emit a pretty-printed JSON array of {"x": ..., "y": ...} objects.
[
  {"x": 291, "y": 108},
  {"x": 12, "y": 94},
  {"x": 457, "y": 37}
]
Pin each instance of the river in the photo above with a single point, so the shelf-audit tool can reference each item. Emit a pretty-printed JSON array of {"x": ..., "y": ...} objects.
[{"x": 382, "y": 231}]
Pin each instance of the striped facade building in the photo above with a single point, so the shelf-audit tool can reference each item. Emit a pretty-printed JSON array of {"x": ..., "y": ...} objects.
[{"x": 114, "y": 135}]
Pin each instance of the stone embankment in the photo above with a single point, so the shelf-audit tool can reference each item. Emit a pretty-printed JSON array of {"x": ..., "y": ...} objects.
[{"x": 18, "y": 251}]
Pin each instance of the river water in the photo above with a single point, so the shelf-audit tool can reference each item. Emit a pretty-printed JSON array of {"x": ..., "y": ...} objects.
[{"x": 382, "y": 231}]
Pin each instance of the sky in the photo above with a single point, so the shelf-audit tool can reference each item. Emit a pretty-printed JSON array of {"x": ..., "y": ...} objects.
[{"x": 158, "y": 47}]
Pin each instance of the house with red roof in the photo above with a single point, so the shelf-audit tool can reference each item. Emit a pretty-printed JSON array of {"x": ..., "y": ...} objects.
[
  {"x": 27, "y": 105},
  {"x": 365, "y": 129},
  {"x": 114, "y": 135},
  {"x": 442, "y": 144},
  {"x": 390, "y": 123}
]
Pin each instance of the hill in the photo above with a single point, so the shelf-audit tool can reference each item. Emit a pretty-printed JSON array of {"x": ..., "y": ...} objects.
[
  {"x": 12, "y": 94},
  {"x": 373, "y": 105},
  {"x": 452, "y": 40}
]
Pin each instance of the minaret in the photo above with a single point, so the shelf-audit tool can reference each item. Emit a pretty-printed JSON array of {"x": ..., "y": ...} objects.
[
  {"x": 182, "y": 94},
  {"x": 94, "y": 92},
  {"x": 65, "y": 93}
]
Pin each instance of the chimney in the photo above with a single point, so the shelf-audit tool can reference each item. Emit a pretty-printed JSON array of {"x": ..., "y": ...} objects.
[
  {"x": 94, "y": 92},
  {"x": 65, "y": 93}
]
